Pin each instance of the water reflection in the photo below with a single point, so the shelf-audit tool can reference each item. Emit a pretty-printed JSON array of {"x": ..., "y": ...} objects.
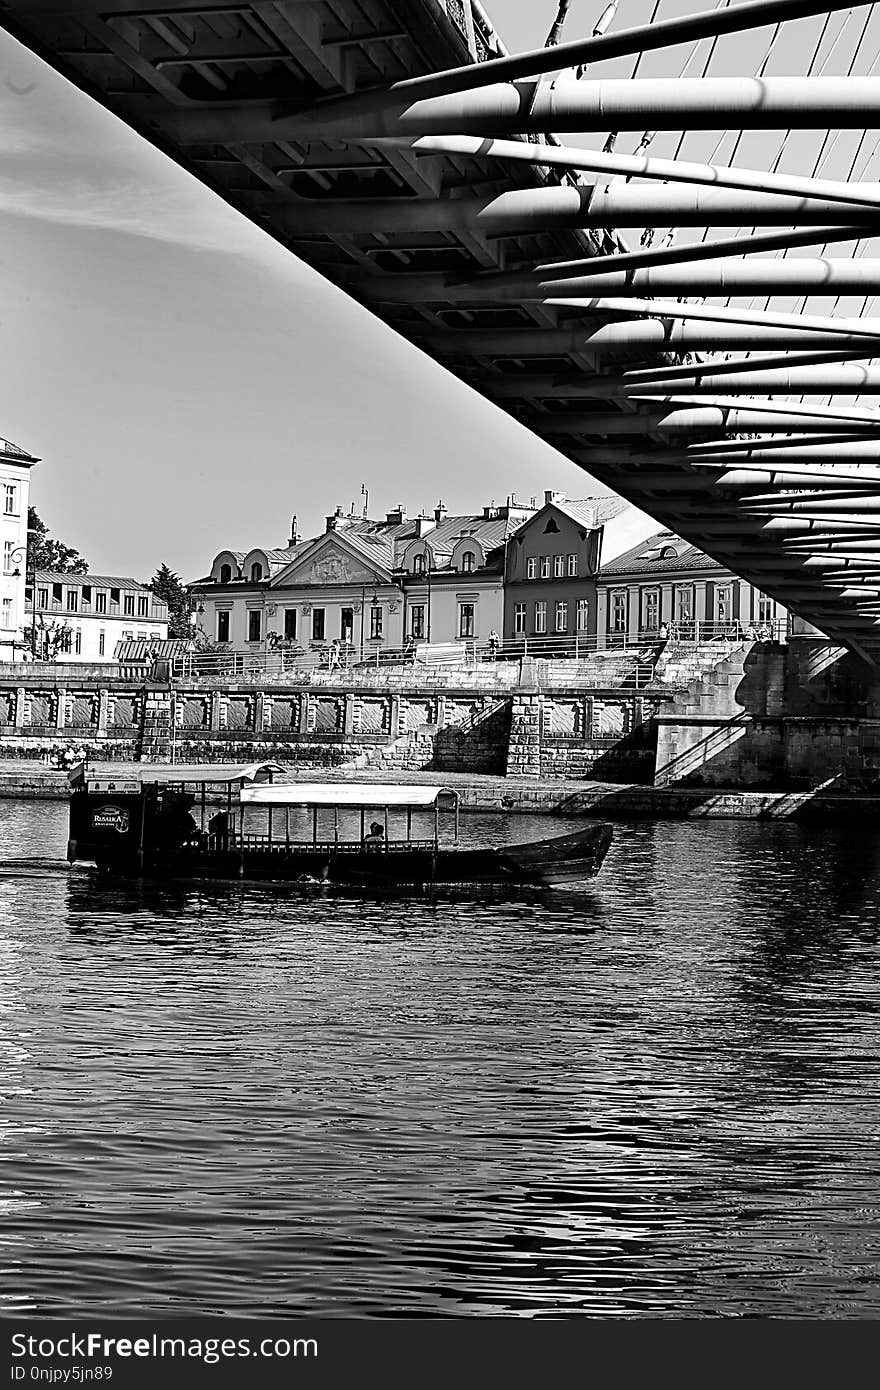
[{"x": 660, "y": 1097}]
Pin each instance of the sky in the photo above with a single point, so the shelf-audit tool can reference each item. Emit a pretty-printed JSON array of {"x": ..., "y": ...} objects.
[{"x": 189, "y": 384}]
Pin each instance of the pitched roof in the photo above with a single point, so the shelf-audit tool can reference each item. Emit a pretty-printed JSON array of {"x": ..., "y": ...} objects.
[
  {"x": 15, "y": 452},
  {"x": 593, "y": 511},
  {"x": 645, "y": 558},
  {"x": 105, "y": 581}
]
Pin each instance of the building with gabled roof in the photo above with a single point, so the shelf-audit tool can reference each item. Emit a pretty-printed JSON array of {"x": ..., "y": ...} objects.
[
  {"x": 373, "y": 585},
  {"x": 550, "y": 596},
  {"x": 666, "y": 586}
]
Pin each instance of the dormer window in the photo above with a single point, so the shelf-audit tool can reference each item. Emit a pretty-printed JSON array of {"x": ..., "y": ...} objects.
[
  {"x": 256, "y": 572},
  {"x": 225, "y": 574},
  {"x": 669, "y": 552},
  {"x": 467, "y": 561}
]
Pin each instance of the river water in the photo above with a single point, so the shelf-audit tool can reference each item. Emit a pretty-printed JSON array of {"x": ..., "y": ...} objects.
[{"x": 661, "y": 1098}]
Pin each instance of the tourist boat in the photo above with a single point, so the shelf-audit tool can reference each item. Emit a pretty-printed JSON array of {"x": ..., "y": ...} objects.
[{"x": 237, "y": 822}]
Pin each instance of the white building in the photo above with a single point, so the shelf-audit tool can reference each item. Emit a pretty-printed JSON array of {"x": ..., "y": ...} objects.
[
  {"x": 82, "y": 617},
  {"x": 15, "y": 466}
]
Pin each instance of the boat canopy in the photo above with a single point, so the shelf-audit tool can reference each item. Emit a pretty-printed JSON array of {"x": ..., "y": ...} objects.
[
  {"x": 137, "y": 775},
  {"x": 358, "y": 794}
]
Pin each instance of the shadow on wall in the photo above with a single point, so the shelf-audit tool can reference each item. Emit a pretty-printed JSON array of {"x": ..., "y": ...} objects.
[
  {"x": 479, "y": 745},
  {"x": 801, "y": 716},
  {"x": 632, "y": 759}
]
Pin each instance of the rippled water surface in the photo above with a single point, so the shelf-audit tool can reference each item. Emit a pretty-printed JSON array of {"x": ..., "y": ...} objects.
[{"x": 660, "y": 1098}]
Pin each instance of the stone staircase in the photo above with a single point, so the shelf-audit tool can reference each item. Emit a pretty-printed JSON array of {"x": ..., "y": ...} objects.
[{"x": 443, "y": 748}]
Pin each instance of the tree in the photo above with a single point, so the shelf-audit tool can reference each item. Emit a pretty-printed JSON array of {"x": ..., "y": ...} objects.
[
  {"x": 49, "y": 640},
  {"x": 168, "y": 586},
  {"x": 45, "y": 553}
]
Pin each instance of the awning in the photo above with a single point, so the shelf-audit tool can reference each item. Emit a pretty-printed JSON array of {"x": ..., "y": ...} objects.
[
  {"x": 149, "y": 774},
  {"x": 344, "y": 794}
]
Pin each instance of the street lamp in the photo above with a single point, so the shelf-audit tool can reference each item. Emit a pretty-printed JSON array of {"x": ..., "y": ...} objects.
[{"x": 30, "y": 577}]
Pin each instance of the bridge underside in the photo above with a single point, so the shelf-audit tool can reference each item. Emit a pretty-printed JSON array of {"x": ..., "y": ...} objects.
[{"x": 391, "y": 145}]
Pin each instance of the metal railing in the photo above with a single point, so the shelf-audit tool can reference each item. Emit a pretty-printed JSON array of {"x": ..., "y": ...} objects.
[{"x": 461, "y": 654}]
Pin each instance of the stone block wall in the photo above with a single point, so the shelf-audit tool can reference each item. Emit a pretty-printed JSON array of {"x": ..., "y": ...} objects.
[
  {"x": 801, "y": 716},
  {"x": 606, "y": 735}
]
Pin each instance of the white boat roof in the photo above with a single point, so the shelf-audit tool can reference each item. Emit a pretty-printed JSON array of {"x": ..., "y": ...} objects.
[
  {"x": 149, "y": 773},
  {"x": 343, "y": 794}
]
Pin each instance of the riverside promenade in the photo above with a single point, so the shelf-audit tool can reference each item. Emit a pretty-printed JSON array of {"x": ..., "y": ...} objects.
[{"x": 25, "y": 780}]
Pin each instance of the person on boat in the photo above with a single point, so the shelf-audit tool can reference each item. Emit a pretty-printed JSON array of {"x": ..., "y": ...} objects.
[
  {"x": 494, "y": 642},
  {"x": 376, "y": 837},
  {"x": 218, "y": 831},
  {"x": 177, "y": 826}
]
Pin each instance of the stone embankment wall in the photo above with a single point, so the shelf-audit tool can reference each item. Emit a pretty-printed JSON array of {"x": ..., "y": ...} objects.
[
  {"x": 531, "y": 719},
  {"x": 756, "y": 715}
]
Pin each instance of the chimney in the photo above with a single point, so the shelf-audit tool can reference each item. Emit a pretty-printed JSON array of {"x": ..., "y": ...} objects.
[
  {"x": 423, "y": 524},
  {"x": 439, "y": 512},
  {"x": 553, "y": 497},
  {"x": 396, "y": 517},
  {"x": 333, "y": 521},
  {"x": 294, "y": 534}
]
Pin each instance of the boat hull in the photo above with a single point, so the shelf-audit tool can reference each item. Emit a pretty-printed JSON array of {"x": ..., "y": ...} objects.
[{"x": 562, "y": 862}]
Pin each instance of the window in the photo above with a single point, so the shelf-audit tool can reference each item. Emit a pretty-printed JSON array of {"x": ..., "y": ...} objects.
[
  {"x": 128, "y": 606},
  {"x": 583, "y": 615},
  {"x": 7, "y": 612},
  {"x": 126, "y": 637},
  {"x": 223, "y": 627},
  {"x": 56, "y": 595},
  {"x": 375, "y": 623},
  {"x": 346, "y": 624},
  {"x": 85, "y": 594},
  {"x": 290, "y": 624},
  {"x": 684, "y": 603},
  {"x": 558, "y": 566},
  {"x": 143, "y": 636},
  {"x": 225, "y": 574},
  {"x": 466, "y": 619},
  {"x": 551, "y": 526},
  {"x": 418, "y": 564},
  {"x": 72, "y": 600},
  {"x": 318, "y": 615},
  {"x": 256, "y": 572},
  {"x": 255, "y": 624},
  {"x": 101, "y": 642},
  {"x": 9, "y": 506},
  {"x": 765, "y": 609},
  {"x": 545, "y": 566},
  {"x": 561, "y": 615},
  {"x": 467, "y": 561},
  {"x": 8, "y": 562},
  {"x": 417, "y": 620},
  {"x": 618, "y": 610},
  {"x": 651, "y": 610},
  {"x": 532, "y": 568},
  {"x": 100, "y": 601},
  {"x": 572, "y": 566},
  {"x": 540, "y": 617},
  {"x": 143, "y": 606},
  {"x": 78, "y": 642},
  {"x": 519, "y": 618},
  {"x": 42, "y": 598}
]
